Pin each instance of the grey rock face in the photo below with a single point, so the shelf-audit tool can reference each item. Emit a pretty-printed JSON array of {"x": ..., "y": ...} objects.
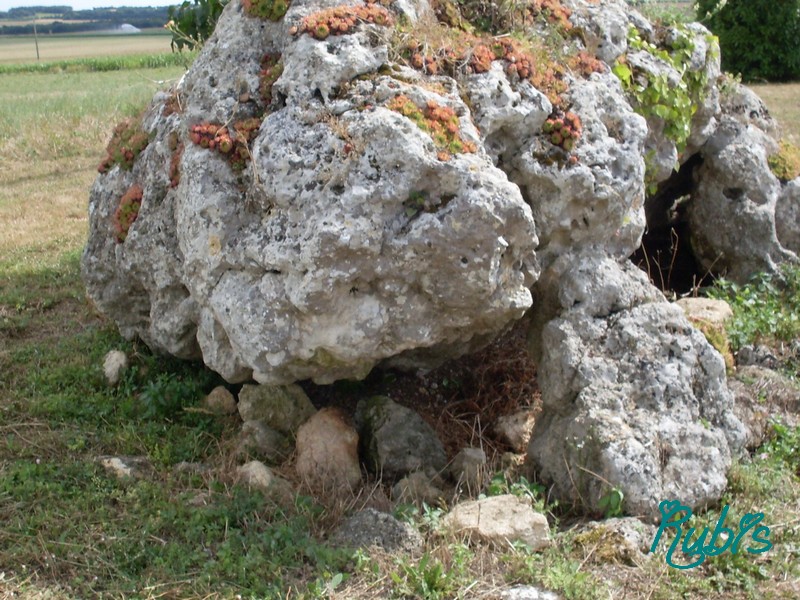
[
  {"x": 282, "y": 408},
  {"x": 260, "y": 440},
  {"x": 313, "y": 262},
  {"x": 395, "y": 440},
  {"x": 732, "y": 211},
  {"x": 632, "y": 394},
  {"x": 787, "y": 216},
  {"x": 368, "y": 528},
  {"x": 599, "y": 201}
]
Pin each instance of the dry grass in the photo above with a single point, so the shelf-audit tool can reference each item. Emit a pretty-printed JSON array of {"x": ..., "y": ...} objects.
[
  {"x": 21, "y": 49},
  {"x": 52, "y": 132},
  {"x": 783, "y": 101}
]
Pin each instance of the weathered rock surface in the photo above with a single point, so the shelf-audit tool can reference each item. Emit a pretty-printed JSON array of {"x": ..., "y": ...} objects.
[
  {"x": 515, "y": 429},
  {"x": 369, "y": 528},
  {"x": 115, "y": 364},
  {"x": 220, "y": 401},
  {"x": 527, "y": 592},
  {"x": 418, "y": 488},
  {"x": 499, "y": 520},
  {"x": 732, "y": 211},
  {"x": 260, "y": 440},
  {"x": 257, "y": 475},
  {"x": 714, "y": 312},
  {"x": 621, "y": 540},
  {"x": 599, "y": 201},
  {"x": 787, "y": 216},
  {"x": 395, "y": 440},
  {"x": 282, "y": 408},
  {"x": 327, "y": 452},
  {"x": 126, "y": 467},
  {"x": 311, "y": 262},
  {"x": 632, "y": 395},
  {"x": 469, "y": 469}
]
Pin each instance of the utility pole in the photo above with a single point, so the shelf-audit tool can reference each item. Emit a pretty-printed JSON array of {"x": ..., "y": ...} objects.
[{"x": 36, "y": 37}]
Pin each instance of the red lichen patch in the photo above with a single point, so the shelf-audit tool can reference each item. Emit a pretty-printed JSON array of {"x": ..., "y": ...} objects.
[
  {"x": 127, "y": 143},
  {"x": 233, "y": 142},
  {"x": 127, "y": 211},
  {"x": 563, "y": 129},
  {"x": 271, "y": 70},
  {"x": 552, "y": 11},
  {"x": 266, "y": 9},
  {"x": 453, "y": 52},
  {"x": 342, "y": 20},
  {"x": 584, "y": 63},
  {"x": 440, "y": 122},
  {"x": 175, "y": 166}
]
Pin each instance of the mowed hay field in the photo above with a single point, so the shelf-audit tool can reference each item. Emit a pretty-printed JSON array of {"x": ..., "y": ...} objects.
[
  {"x": 22, "y": 49},
  {"x": 53, "y": 129},
  {"x": 783, "y": 101}
]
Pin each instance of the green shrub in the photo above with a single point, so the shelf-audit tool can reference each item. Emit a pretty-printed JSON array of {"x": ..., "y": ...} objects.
[
  {"x": 758, "y": 37},
  {"x": 765, "y": 309},
  {"x": 785, "y": 163},
  {"x": 192, "y": 23}
]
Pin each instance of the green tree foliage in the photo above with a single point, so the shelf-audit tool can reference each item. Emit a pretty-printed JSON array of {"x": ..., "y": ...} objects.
[
  {"x": 192, "y": 23},
  {"x": 758, "y": 38}
]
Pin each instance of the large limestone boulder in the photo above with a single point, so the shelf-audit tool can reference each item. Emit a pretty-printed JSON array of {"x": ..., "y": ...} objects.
[
  {"x": 633, "y": 397},
  {"x": 341, "y": 238},
  {"x": 732, "y": 211},
  {"x": 787, "y": 216}
]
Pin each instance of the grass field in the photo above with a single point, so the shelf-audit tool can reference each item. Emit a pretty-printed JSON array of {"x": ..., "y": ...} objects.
[
  {"x": 783, "y": 101},
  {"x": 68, "y": 530},
  {"x": 21, "y": 49}
]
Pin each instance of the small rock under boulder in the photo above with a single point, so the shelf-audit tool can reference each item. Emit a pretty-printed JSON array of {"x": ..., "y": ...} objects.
[
  {"x": 282, "y": 407},
  {"x": 371, "y": 528},
  {"x": 327, "y": 452},
  {"x": 115, "y": 364},
  {"x": 499, "y": 521},
  {"x": 396, "y": 441}
]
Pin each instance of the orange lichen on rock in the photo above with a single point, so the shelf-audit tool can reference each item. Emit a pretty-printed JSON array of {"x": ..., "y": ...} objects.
[
  {"x": 127, "y": 143},
  {"x": 233, "y": 143},
  {"x": 440, "y": 122},
  {"x": 342, "y": 20},
  {"x": 563, "y": 129},
  {"x": 553, "y": 11},
  {"x": 127, "y": 211},
  {"x": 585, "y": 63}
]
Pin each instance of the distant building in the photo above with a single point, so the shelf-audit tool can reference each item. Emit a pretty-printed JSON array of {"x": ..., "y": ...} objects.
[{"x": 127, "y": 28}]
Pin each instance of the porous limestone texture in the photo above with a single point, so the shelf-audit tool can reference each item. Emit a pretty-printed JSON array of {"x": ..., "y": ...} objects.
[
  {"x": 599, "y": 200},
  {"x": 499, "y": 521},
  {"x": 345, "y": 242},
  {"x": 633, "y": 397},
  {"x": 787, "y": 216},
  {"x": 732, "y": 211}
]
